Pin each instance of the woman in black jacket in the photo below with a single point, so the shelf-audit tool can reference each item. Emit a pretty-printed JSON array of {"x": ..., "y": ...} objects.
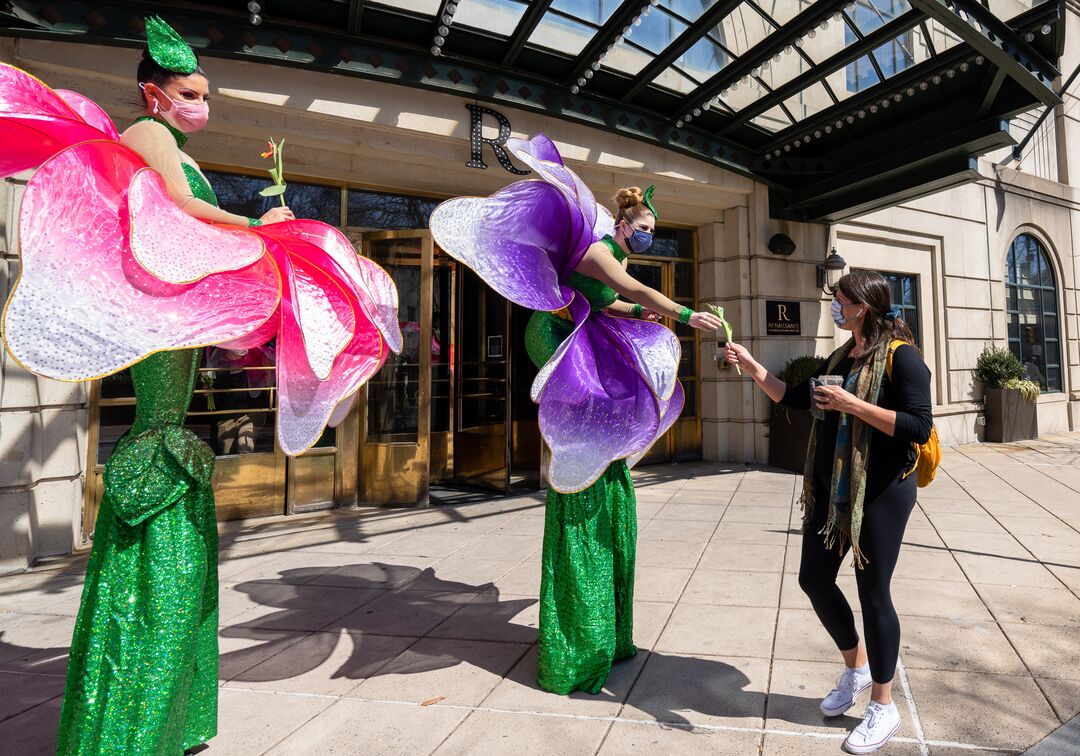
[{"x": 857, "y": 493}]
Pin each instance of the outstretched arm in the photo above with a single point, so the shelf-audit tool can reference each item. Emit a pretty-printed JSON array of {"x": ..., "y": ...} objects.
[
  {"x": 157, "y": 147},
  {"x": 599, "y": 264}
]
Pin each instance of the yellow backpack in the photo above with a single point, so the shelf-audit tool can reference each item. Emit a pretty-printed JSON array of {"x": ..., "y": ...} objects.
[{"x": 928, "y": 455}]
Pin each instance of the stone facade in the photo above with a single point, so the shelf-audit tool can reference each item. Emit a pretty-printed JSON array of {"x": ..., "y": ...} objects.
[{"x": 392, "y": 138}]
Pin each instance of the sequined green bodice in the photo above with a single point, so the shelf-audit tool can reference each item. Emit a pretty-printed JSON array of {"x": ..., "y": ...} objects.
[
  {"x": 200, "y": 187},
  {"x": 163, "y": 383},
  {"x": 599, "y": 295}
]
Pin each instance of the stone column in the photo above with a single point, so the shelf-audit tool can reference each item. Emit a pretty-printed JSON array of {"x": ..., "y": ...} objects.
[{"x": 42, "y": 438}]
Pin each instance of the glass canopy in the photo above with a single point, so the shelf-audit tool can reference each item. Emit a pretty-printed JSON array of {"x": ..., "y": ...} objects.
[{"x": 789, "y": 91}]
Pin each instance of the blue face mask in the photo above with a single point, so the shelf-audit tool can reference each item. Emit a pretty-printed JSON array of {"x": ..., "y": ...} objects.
[
  {"x": 639, "y": 241},
  {"x": 838, "y": 313}
]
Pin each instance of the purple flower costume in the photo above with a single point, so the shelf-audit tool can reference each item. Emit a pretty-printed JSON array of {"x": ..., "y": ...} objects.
[{"x": 607, "y": 389}]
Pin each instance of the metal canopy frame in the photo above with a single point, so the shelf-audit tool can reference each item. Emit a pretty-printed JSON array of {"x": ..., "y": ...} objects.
[
  {"x": 1007, "y": 50},
  {"x": 979, "y": 68}
]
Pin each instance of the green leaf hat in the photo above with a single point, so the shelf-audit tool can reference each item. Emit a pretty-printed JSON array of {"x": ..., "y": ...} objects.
[
  {"x": 168, "y": 49},
  {"x": 647, "y": 201}
]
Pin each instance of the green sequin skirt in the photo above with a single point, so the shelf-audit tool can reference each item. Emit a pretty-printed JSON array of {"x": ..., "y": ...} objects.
[
  {"x": 587, "y": 583},
  {"x": 143, "y": 672}
]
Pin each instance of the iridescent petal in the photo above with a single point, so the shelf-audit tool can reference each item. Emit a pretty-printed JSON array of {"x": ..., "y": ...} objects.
[
  {"x": 36, "y": 122},
  {"x": 82, "y": 307},
  {"x": 597, "y": 400},
  {"x": 178, "y": 247},
  {"x": 518, "y": 241}
]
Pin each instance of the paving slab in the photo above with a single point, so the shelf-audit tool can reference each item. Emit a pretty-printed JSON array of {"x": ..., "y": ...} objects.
[
  {"x": 461, "y": 671},
  {"x": 680, "y": 689},
  {"x": 733, "y": 588},
  {"x": 719, "y": 630},
  {"x": 649, "y": 740},
  {"x": 998, "y": 710},
  {"x": 506, "y": 734},
  {"x": 350, "y": 726},
  {"x": 957, "y": 645},
  {"x": 257, "y": 721}
]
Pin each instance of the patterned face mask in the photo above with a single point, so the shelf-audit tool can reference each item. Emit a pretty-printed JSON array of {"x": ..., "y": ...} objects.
[{"x": 838, "y": 313}]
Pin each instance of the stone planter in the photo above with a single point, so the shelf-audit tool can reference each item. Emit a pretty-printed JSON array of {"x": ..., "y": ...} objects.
[
  {"x": 789, "y": 435},
  {"x": 1009, "y": 418}
]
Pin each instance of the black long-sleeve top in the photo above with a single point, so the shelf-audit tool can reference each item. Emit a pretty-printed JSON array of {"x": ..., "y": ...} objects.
[{"x": 907, "y": 393}]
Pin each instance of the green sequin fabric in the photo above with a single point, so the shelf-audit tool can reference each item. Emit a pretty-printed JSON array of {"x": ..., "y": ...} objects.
[
  {"x": 167, "y": 48},
  {"x": 200, "y": 187},
  {"x": 590, "y": 538},
  {"x": 587, "y": 583},
  {"x": 143, "y": 673}
]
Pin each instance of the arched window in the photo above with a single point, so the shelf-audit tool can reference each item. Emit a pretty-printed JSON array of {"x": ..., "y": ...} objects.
[{"x": 1032, "y": 311}]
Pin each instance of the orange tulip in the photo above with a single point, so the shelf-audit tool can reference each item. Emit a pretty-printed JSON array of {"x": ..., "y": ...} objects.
[{"x": 269, "y": 150}]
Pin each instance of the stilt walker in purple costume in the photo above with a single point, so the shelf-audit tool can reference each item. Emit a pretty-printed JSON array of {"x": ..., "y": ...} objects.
[{"x": 607, "y": 388}]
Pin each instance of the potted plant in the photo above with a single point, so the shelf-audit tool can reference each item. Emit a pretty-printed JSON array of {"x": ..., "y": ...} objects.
[
  {"x": 789, "y": 430},
  {"x": 1010, "y": 400}
]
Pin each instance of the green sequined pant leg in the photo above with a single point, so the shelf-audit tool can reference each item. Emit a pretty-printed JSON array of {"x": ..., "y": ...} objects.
[
  {"x": 587, "y": 583},
  {"x": 143, "y": 672}
]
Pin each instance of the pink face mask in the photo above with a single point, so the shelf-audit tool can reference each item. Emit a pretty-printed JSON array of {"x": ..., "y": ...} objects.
[{"x": 187, "y": 117}]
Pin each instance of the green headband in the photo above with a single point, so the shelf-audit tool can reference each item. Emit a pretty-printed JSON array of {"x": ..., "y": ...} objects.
[
  {"x": 168, "y": 49},
  {"x": 647, "y": 201}
]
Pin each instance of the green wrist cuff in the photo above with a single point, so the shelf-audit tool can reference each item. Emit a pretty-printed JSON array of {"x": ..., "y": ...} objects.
[
  {"x": 636, "y": 312},
  {"x": 253, "y": 222},
  {"x": 685, "y": 315}
]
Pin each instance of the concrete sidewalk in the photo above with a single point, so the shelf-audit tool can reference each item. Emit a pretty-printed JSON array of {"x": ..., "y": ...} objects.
[{"x": 336, "y": 630}]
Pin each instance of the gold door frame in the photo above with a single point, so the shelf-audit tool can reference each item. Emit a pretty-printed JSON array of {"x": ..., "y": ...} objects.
[{"x": 398, "y": 472}]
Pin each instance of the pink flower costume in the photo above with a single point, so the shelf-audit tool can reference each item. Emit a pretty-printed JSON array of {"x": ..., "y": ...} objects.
[{"x": 115, "y": 275}]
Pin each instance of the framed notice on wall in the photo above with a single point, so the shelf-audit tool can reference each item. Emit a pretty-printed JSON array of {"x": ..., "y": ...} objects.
[{"x": 782, "y": 318}]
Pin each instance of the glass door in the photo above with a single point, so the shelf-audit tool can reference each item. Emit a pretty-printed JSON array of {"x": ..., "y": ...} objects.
[
  {"x": 482, "y": 428},
  {"x": 669, "y": 267},
  {"x": 395, "y": 449}
]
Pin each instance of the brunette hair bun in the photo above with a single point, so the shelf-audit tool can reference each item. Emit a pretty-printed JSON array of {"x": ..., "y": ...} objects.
[{"x": 629, "y": 197}]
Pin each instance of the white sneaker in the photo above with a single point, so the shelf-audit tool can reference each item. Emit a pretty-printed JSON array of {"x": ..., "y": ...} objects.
[
  {"x": 841, "y": 698},
  {"x": 879, "y": 724}
]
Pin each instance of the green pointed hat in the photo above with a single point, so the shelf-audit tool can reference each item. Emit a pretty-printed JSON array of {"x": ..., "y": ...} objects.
[
  {"x": 647, "y": 201},
  {"x": 167, "y": 48}
]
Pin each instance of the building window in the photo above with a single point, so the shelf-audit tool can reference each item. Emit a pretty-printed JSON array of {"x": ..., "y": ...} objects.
[
  {"x": 1032, "y": 312},
  {"x": 905, "y": 295},
  {"x": 379, "y": 210},
  {"x": 239, "y": 193}
]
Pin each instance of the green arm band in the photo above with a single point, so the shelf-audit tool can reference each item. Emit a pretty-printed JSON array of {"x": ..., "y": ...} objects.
[
  {"x": 253, "y": 222},
  {"x": 685, "y": 315},
  {"x": 636, "y": 311}
]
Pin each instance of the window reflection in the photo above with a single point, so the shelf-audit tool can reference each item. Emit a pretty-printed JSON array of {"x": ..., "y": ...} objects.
[
  {"x": 1031, "y": 312},
  {"x": 239, "y": 193},
  {"x": 392, "y": 212}
]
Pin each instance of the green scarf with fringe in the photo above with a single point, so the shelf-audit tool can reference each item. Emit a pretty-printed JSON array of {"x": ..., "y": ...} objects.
[{"x": 847, "y": 488}]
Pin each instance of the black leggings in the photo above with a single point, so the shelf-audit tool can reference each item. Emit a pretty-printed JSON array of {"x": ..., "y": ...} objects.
[{"x": 884, "y": 520}]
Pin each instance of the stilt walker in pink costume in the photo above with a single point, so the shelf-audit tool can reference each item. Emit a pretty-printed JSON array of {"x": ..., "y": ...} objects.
[{"x": 128, "y": 262}]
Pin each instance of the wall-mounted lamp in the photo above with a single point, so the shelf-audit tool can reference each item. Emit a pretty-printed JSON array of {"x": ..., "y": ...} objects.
[
  {"x": 831, "y": 272},
  {"x": 781, "y": 244}
]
